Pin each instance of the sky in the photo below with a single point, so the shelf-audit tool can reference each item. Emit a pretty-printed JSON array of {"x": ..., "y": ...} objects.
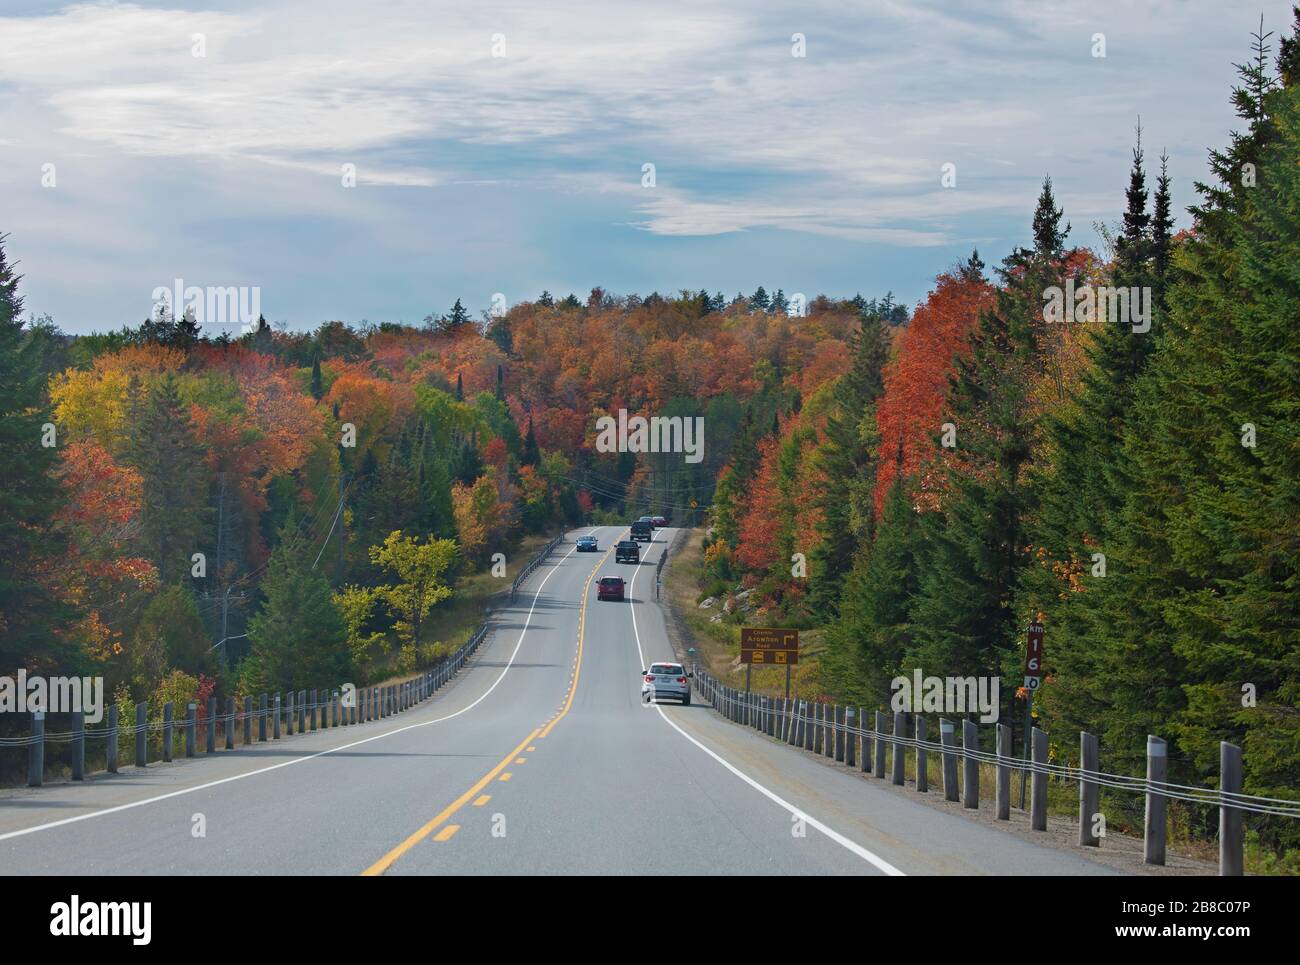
[{"x": 501, "y": 148}]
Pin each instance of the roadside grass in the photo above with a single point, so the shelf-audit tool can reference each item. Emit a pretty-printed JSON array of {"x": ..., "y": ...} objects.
[{"x": 717, "y": 644}]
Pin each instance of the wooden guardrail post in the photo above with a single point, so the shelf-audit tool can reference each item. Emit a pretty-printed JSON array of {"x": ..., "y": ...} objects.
[
  {"x": 879, "y": 769},
  {"x": 948, "y": 740},
  {"x": 36, "y": 751},
  {"x": 314, "y": 704},
  {"x": 899, "y": 762},
  {"x": 1089, "y": 790},
  {"x": 78, "y": 746},
  {"x": 334, "y": 709},
  {"x": 110, "y": 751},
  {"x": 970, "y": 742},
  {"x": 230, "y": 723},
  {"x": 211, "y": 744},
  {"x": 866, "y": 741},
  {"x": 1004, "y": 774},
  {"x": 248, "y": 720},
  {"x": 1154, "y": 824},
  {"x": 922, "y": 756},
  {"x": 167, "y": 733},
  {"x": 142, "y": 734},
  {"x": 1038, "y": 786},
  {"x": 261, "y": 718},
  {"x": 302, "y": 711},
  {"x": 191, "y": 728},
  {"x": 801, "y": 724},
  {"x": 850, "y": 738},
  {"x": 278, "y": 712},
  {"x": 1232, "y": 840},
  {"x": 288, "y": 716}
]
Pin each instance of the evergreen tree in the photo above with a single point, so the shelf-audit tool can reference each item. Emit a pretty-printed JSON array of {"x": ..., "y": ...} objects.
[
  {"x": 531, "y": 454},
  {"x": 297, "y": 639},
  {"x": 847, "y": 462},
  {"x": 867, "y": 645},
  {"x": 1162, "y": 228},
  {"x": 317, "y": 384},
  {"x": 1132, "y": 248},
  {"x": 164, "y": 448},
  {"x": 759, "y": 299},
  {"x": 29, "y": 615},
  {"x": 962, "y": 614}
]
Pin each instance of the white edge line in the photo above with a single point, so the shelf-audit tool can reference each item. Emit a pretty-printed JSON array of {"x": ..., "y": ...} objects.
[
  {"x": 298, "y": 760},
  {"x": 868, "y": 856}
]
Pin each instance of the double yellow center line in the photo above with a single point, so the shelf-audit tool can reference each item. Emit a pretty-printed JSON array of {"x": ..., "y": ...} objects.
[{"x": 387, "y": 861}]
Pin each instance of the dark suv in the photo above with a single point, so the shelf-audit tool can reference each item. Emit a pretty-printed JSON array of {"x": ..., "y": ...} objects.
[
  {"x": 643, "y": 529},
  {"x": 627, "y": 551},
  {"x": 610, "y": 588}
]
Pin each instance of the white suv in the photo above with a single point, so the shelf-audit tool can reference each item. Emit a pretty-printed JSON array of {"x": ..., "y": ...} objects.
[{"x": 666, "y": 680}]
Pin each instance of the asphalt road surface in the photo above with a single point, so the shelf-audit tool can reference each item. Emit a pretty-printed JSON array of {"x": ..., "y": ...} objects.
[{"x": 539, "y": 758}]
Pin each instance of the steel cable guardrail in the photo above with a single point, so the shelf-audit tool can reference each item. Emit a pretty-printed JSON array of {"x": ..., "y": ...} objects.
[
  {"x": 330, "y": 709},
  {"x": 756, "y": 709},
  {"x": 532, "y": 565}
]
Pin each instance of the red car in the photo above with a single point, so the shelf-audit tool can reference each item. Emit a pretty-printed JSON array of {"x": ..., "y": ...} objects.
[
  {"x": 609, "y": 588},
  {"x": 660, "y": 521}
]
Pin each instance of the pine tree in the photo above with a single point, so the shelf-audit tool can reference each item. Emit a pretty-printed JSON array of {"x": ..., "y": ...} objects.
[
  {"x": 317, "y": 384},
  {"x": 759, "y": 299},
  {"x": 163, "y": 446},
  {"x": 297, "y": 639},
  {"x": 29, "y": 616},
  {"x": 1132, "y": 248},
  {"x": 1162, "y": 228},
  {"x": 847, "y": 462},
  {"x": 964, "y": 621},
  {"x": 867, "y": 645},
  {"x": 531, "y": 455}
]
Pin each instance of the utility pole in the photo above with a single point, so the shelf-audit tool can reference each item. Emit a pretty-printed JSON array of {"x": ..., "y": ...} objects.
[{"x": 340, "y": 573}]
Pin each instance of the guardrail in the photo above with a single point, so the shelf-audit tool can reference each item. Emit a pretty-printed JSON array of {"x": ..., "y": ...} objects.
[
  {"x": 532, "y": 565},
  {"x": 659, "y": 567},
  {"x": 274, "y": 714},
  {"x": 839, "y": 732}
]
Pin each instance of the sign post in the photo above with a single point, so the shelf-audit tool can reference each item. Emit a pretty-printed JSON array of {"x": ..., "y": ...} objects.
[
  {"x": 769, "y": 646},
  {"x": 1033, "y": 678}
]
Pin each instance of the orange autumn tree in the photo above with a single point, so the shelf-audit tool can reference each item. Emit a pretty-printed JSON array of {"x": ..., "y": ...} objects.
[{"x": 909, "y": 414}]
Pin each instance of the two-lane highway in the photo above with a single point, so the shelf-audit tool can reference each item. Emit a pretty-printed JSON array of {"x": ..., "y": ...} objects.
[{"x": 540, "y": 758}]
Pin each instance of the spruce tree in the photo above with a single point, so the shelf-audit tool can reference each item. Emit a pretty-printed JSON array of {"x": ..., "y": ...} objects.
[
  {"x": 531, "y": 454},
  {"x": 847, "y": 459},
  {"x": 297, "y": 638},
  {"x": 29, "y": 496},
  {"x": 175, "y": 517}
]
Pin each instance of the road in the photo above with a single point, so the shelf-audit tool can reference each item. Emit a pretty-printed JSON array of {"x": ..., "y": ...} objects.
[{"x": 539, "y": 758}]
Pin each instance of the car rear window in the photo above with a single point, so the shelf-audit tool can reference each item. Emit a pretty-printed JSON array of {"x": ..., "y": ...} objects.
[
  {"x": 666, "y": 668},
  {"x": 611, "y": 581}
]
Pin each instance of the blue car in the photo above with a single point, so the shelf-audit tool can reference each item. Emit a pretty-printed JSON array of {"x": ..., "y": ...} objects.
[{"x": 587, "y": 544}]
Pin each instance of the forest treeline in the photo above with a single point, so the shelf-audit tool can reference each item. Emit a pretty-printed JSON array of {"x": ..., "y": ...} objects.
[
  {"x": 192, "y": 510},
  {"x": 1133, "y": 485},
  {"x": 189, "y": 512}
]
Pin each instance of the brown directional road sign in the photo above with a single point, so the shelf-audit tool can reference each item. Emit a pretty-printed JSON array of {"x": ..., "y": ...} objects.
[{"x": 769, "y": 645}]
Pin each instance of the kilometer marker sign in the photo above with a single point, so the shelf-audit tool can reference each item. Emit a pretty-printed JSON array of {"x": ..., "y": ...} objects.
[{"x": 1033, "y": 655}]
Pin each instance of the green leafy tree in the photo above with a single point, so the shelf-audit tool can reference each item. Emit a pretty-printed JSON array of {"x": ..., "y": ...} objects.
[{"x": 421, "y": 570}]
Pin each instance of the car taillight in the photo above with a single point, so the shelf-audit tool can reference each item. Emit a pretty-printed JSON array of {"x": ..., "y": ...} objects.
[
  {"x": 649, "y": 679},
  {"x": 681, "y": 680}
]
